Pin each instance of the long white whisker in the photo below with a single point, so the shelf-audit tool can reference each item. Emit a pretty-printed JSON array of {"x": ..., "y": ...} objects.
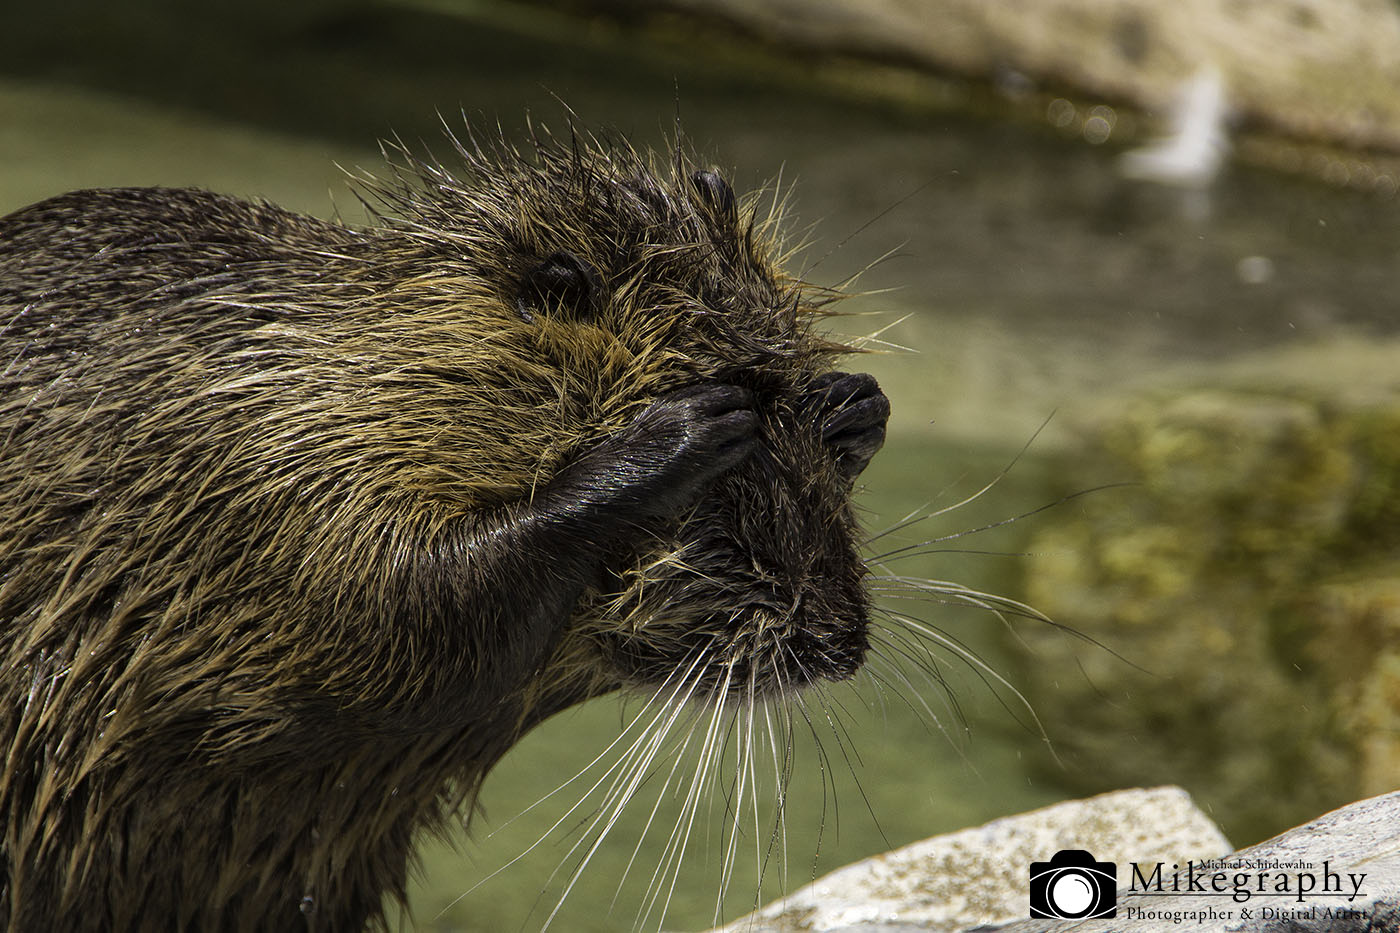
[
  {"x": 680, "y": 834},
  {"x": 783, "y": 774},
  {"x": 985, "y": 670},
  {"x": 679, "y": 757},
  {"x": 743, "y": 781},
  {"x": 643, "y": 712},
  {"x": 631, "y": 770}
]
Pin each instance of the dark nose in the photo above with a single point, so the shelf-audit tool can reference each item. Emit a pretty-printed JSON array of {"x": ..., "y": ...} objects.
[{"x": 850, "y": 411}]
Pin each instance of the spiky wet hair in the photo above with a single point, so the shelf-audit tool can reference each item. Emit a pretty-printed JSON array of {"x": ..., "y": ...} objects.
[
  {"x": 263, "y": 479},
  {"x": 631, "y": 276},
  {"x": 635, "y": 274}
]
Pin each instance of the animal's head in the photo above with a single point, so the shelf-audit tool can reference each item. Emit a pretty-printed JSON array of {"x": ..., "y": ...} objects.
[{"x": 611, "y": 280}]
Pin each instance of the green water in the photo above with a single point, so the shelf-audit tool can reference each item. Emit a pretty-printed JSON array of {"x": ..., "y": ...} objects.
[{"x": 1023, "y": 278}]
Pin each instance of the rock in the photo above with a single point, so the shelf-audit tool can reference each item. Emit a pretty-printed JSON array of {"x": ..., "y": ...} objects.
[
  {"x": 1313, "y": 70},
  {"x": 1336, "y": 874},
  {"x": 978, "y": 876},
  {"x": 1351, "y": 850},
  {"x": 1245, "y": 586}
]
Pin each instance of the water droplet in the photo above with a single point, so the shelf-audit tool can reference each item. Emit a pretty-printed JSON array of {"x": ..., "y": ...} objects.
[
  {"x": 1060, "y": 112},
  {"x": 1097, "y": 129},
  {"x": 1255, "y": 270},
  {"x": 308, "y": 904}
]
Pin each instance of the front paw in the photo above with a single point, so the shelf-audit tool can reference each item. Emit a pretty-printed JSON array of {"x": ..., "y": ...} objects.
[
  {"x": 663, "y": 462},
  {"x": 850, "y": 412},
  {"x": 698, "y": 433}
]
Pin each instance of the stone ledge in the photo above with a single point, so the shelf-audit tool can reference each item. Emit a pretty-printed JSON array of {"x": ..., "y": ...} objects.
[
  {"x": 978, "y": 879},
  {"x": 980, "y": 875}
]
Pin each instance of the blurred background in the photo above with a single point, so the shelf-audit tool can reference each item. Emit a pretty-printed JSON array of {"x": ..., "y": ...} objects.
[{"x": 1206, "y": 328}]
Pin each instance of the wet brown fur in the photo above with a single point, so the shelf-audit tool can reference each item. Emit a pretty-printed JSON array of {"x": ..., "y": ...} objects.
[{"x": 302, "y": 525}]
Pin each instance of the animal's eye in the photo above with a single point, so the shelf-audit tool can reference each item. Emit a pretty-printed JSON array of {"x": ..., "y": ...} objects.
[
  {"x": 562, "y": 283},
  {"x": 716, "y": 192}
]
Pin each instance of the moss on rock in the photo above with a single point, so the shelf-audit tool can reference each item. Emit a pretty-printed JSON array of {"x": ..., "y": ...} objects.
[{"x": 1246, "y": 582}]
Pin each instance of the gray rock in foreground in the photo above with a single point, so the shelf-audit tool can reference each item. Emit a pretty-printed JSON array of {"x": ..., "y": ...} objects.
[
  {"x": 979, "y": 875},
  {"x": 1358, "y": 846},
  {"x": 979, "y": 878}
]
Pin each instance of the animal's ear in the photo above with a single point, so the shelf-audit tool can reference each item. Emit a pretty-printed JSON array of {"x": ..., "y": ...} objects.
[
  {"x": 562, "y": 284},
  {"x": 715, "y": 191}
]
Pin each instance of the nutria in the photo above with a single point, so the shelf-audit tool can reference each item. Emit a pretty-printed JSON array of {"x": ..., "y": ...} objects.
[{"x": 304, "y": 524}]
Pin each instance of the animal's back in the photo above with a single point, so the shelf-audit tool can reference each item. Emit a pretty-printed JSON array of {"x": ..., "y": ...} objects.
[{"x": 148, "y": 541}]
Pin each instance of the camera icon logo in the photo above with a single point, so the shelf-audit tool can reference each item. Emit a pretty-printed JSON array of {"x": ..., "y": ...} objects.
[{"x": 1073, "y": 886}]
